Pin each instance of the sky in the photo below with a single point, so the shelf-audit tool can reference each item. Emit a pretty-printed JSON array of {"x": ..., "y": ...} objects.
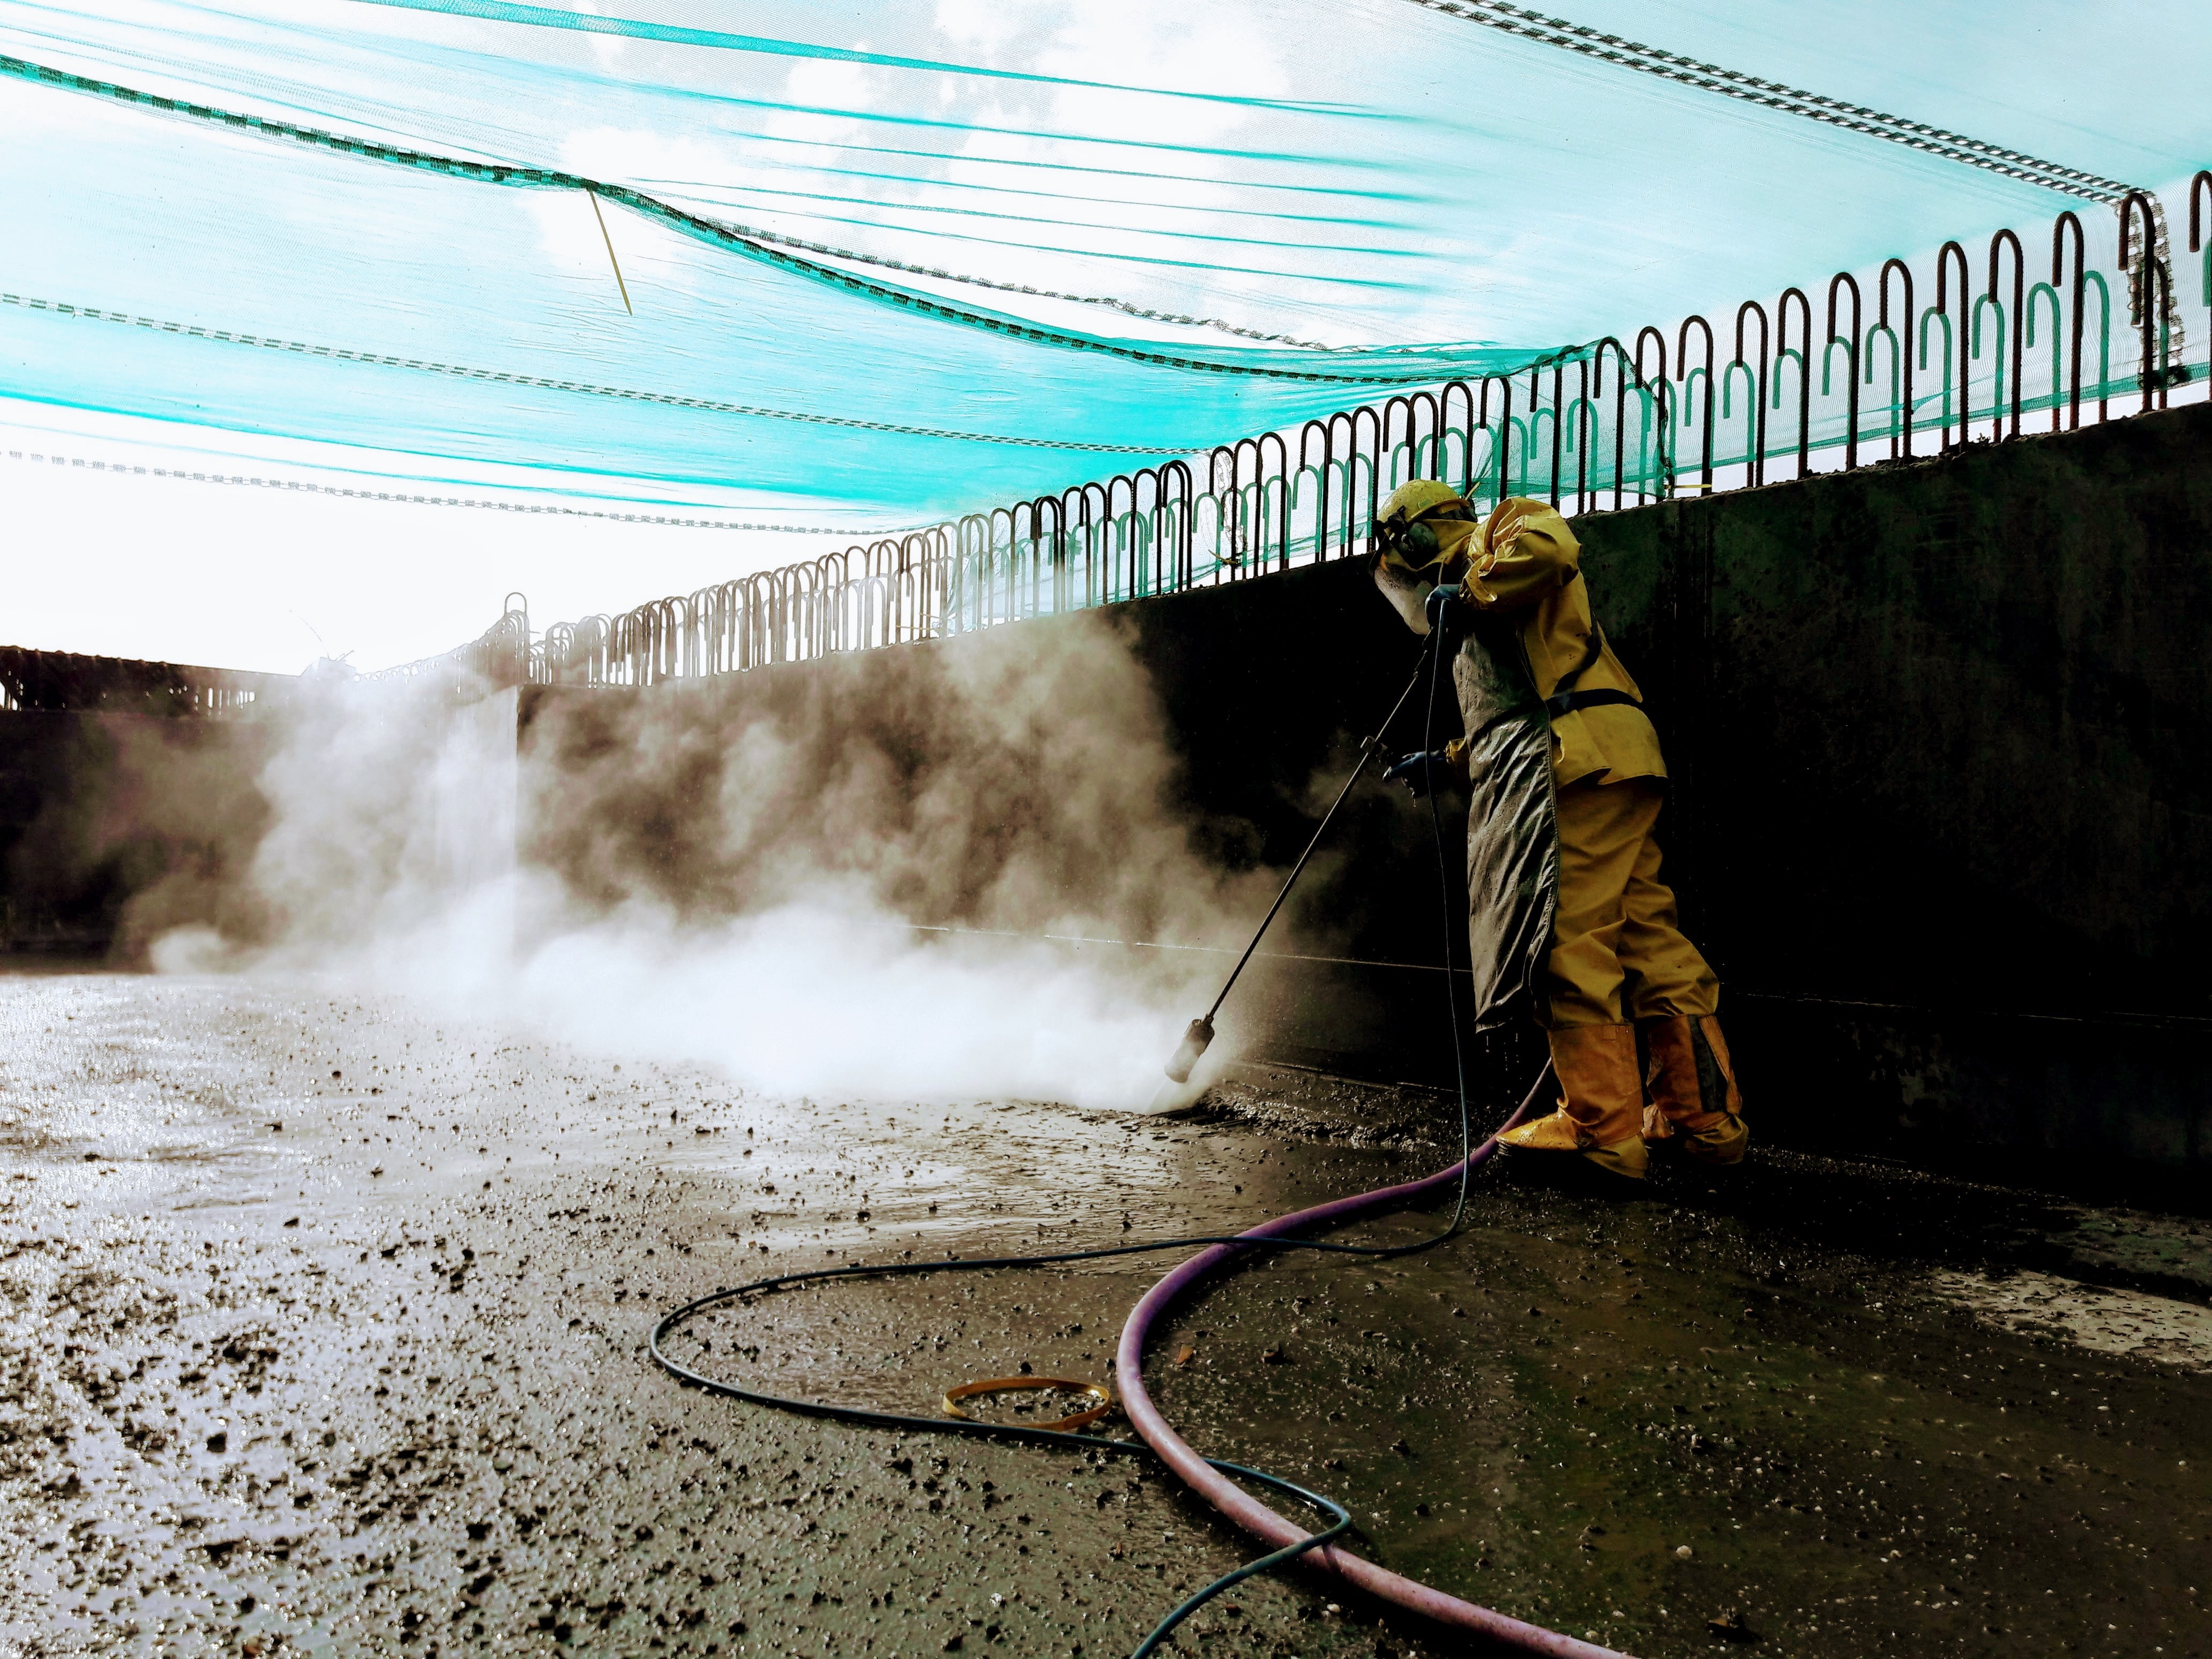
[
  {"x": 1351, "y": 173},
  {"x": 231, "y": 576}
]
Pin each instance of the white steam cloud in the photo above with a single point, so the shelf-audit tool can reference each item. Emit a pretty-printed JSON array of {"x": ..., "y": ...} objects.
[{"x": 831, "y": 879}]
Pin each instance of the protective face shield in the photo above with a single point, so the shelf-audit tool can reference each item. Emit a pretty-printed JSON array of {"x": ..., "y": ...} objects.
[{"x": 1415, "y": 544}]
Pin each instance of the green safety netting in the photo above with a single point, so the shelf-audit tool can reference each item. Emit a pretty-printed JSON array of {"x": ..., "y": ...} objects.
[{"x": 883, "y": 271}]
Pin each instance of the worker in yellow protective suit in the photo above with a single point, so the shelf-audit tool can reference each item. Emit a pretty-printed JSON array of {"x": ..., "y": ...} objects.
[{"x": 1569, "y": 921}]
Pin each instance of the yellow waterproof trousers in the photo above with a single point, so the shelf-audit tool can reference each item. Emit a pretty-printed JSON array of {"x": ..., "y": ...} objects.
[
  {"x": 1629, "y": 1002},
  {"x": 1618, "y": 952}
]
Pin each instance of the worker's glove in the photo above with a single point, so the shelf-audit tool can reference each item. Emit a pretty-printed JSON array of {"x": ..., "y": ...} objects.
[
  {"x": 1450, "y": 616},
  {"x": 1421, "y": 773}
]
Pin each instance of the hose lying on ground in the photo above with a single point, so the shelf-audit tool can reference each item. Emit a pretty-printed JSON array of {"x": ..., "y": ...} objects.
[
  {"x": 1207, "y": 1476},
  {"x": 1204, "y": 1477},
  {"x": 1204, "y": 1474}
]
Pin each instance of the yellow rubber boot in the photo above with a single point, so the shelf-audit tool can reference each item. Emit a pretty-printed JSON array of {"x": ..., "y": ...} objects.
[
  {"x": 1599, "y": 1114},
  {"x": 1695, "y": 1103}
]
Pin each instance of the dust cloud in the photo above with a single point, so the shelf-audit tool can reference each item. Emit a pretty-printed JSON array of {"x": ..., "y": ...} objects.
[{"x": 833, "y": 878}]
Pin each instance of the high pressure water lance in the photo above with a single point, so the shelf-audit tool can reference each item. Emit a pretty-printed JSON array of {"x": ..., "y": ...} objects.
[{"x": 1200, "y": 1034}]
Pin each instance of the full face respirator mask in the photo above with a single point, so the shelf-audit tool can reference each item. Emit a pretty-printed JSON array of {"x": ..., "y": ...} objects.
[{"x": 1415, "y": 542}]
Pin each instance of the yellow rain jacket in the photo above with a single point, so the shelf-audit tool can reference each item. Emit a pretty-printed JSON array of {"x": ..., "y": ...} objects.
[
  {"x": 1524, "y": 562},
  {"x": 1547, "y": 707}
]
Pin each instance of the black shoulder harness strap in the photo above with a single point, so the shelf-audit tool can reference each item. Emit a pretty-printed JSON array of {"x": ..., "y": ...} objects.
[
  {"x": 1568, "y": 700},
  {"x": 1565, "y": 701}
]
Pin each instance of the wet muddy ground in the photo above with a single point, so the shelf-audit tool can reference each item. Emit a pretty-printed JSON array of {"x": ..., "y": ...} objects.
[{"x": 323, "y": 1321}]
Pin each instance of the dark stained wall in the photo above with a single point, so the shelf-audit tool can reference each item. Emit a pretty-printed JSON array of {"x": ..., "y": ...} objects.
[
  {"x": 115, "y": 827},
  {"x": 1957, "y": 711},
  {"x": 1939, "y": 733},
  {"x": 1943, "y": 816},
  {"x": 1940, "y": 814}
]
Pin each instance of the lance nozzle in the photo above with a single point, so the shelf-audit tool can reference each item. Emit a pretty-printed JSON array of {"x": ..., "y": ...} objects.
[{"x": 1195, "y": 1043}]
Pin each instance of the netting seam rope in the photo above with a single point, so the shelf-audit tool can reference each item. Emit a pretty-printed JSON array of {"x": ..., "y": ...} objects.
[
  {"x": 1107, "y": 300},
  {"x": 458, "y": 371},
  {"x": 1836, "y": 112},
  {"x": 302, "y": 487},
  {"x": 1817, "y": 107},
  {"x": 692, "y": 224}
]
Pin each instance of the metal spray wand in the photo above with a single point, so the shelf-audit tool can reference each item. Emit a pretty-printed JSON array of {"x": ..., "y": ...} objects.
[{"x": 1200, "y": 1034}]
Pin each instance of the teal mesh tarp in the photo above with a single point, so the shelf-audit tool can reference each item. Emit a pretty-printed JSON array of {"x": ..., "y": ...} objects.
[{"x": 954, "y": 258}]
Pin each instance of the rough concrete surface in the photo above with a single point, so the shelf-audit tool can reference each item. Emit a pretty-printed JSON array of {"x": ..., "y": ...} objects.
[{"x": 323, "y": 1321}]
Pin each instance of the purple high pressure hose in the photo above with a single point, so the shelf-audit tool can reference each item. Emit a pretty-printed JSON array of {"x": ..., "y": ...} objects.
[{"x": 1256, "y": 1517}]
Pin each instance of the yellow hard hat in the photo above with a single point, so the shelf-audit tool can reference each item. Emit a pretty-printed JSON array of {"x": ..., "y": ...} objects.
[
  {"x": 1401, "y": 536},
  {"x": 1413, "y": 499}
]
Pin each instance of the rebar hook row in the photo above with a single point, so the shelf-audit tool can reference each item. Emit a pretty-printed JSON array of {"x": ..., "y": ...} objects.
[{"x": 1600, "y": 427}]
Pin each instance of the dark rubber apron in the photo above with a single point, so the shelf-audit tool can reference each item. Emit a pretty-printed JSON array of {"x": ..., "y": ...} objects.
[{"x": 1513, "y": 813}]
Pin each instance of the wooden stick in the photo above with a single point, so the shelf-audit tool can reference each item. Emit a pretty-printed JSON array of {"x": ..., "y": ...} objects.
[{"x": 610, "y": 241}]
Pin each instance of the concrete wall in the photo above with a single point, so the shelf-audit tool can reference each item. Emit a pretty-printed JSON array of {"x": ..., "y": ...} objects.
[
  {"x": 115, "y": 827},
  {"x": 1997, "y": 666},
  {"x": 1941, "y": 813}
]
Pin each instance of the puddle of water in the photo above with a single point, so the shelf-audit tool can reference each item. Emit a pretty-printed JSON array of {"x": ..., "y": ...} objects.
[{"x": 2091, "y": 1316}]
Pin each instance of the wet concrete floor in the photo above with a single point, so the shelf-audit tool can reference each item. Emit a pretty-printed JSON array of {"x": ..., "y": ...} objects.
[{"x": 323, "y": 1321}]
